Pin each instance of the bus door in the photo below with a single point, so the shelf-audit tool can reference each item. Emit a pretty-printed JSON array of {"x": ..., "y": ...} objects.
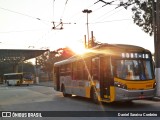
[
  {"x": 96, "y": 70},
  {"x": 57, "y": 79},
  {"x": 105, "y": 77}
]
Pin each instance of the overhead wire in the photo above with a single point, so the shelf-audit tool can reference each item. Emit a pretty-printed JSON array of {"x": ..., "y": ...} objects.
[
  {"x": 78, "y": 13},
  {"x": 40, "y": 40},
  {"x": 64, "y": 9},
  {"x": 26, "y": 15},
  {"x": 3, "y": 32},
  {"x": 19, "y": 13},
  {"x": 111, "y": 21},
  {"x": 125, "y": 5},
  {"x": 53, "y": 7},
  {"x": 105, "y": 13},
  {"x": 93, "y": 11}
]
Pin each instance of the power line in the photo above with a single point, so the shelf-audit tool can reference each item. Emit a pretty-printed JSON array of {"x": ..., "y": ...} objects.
[
  {"x": 18, "y": 31},
  {"x": 111, "y": 21},
  {"x": 53, "y": 8},
  {"x": 64, "y": 9},
  {"x": 125, "y": 5},
  {"x": 106, "y": 14},
  {"x": 26, "y": 15},
  {"x": 106, "y": 3},
  {"x": 80, "y": 12},
  {"x": 19, "y": 13}
]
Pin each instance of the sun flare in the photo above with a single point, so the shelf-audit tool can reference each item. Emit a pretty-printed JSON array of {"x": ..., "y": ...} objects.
[{"x": 77, "y": 48}]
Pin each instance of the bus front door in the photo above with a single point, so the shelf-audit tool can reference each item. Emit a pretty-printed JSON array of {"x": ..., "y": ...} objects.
[{"x": 105, "y": 77}]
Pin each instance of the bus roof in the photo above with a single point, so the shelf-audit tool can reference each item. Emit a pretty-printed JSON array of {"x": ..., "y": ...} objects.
[{"x": 113, "y": 48}]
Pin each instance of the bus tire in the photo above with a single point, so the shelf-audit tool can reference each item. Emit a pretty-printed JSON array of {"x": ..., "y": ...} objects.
[
  {"x": 18, "y": 83},
  {"x": 8, "y": 83},
  {"x": 64, "y": 92},
  {"x": 94, "y": 96}
]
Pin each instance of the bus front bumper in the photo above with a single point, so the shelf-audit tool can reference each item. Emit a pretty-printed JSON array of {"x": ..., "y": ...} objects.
[{"x": 125, "y": 95}]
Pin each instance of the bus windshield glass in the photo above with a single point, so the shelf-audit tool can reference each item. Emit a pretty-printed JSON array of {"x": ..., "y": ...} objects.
[
  {"x": 134, "y": 69},
  {"x": 10, "y": 77}
]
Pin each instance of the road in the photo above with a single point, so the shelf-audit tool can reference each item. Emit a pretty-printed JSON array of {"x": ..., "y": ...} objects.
[{"x": 42, "y": 98}]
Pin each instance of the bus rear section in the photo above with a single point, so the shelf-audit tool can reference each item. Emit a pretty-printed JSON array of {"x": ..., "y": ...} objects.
[{"x": 16, "y": 79}]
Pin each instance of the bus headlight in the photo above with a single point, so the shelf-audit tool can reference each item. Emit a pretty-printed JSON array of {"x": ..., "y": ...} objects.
[
  {"x": 154, "y": 84},
  {"x": 120, "y": 85}
]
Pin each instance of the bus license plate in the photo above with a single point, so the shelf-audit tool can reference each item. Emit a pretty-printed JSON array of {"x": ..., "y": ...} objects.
[{"x": 141, "y": 97}]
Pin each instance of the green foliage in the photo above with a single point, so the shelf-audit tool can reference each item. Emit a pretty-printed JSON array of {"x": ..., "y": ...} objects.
[
  {"x": 143, "y": 16},
  {"x": 142, "y": 13},
  {"x": 47, "y": 59}
]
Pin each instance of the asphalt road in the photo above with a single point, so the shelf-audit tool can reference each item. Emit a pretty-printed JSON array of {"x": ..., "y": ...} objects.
[{"x": 43, "y": 98}]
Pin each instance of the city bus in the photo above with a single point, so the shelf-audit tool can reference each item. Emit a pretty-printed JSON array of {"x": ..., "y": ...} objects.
[
  {"x": 18, "y": 79},
  {"x": 107, "y": 73}
]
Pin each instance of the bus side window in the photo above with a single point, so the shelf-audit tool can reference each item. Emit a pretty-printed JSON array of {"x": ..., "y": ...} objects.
[
  {"x": 95, "y": 68},
  {"x": 62, "y": 70},
  {"x": 86, "y": 69},
  {"x": 80, "y": 70},
  {"x": 74, "y": 67},
  {"x": 68, "y": 69}
]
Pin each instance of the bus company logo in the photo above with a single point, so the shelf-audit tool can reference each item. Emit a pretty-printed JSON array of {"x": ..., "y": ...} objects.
[{"x": 6, "y": 114}]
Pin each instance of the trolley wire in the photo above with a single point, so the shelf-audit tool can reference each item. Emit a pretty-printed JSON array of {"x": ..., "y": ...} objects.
[
  {"x": 64, "y": 9},
  {"x": 111, "y": 21},
  {"x": 20, "y": 13},
  {"x": 125, "y": 5},
  {"x": 26, "y": 15}
]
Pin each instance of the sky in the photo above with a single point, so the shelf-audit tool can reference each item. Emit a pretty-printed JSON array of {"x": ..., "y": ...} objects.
[{"x": 27, "y": 24}]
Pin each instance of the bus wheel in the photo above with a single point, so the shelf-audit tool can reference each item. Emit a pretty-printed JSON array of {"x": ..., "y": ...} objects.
[
  {"x": 18, "y": 83},
  {"x": 8, "y": 83},
  {"x": 64, "y": 92},
  {"x": 94, "y": 96}
]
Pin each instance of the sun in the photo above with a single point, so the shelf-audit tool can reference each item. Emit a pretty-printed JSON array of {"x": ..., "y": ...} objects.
[{"x": 78, "y": 48}]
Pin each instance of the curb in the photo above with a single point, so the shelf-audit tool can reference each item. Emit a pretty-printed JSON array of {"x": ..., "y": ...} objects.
[
  {"x": 47, "y": 84},
  {"x": 156, "y": 98}
]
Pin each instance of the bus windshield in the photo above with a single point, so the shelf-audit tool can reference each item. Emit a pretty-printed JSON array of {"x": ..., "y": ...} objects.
[
  {"x": 10, "y": 77},
  {"x": 134, "y": 69}
]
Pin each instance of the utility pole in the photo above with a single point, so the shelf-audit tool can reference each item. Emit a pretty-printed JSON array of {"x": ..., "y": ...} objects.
[
  {"x": 87, "y": 11},
  {"x": 156, "y": 26},
  {"x": 92, "y": 39},
  {"x": 157, "y": 47},
  {"x": 85, "y": 45}
]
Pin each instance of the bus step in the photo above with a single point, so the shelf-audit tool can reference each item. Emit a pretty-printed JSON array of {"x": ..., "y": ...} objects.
[{"x": 105, "y": 99}]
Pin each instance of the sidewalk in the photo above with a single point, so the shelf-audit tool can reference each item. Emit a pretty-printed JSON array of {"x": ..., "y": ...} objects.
[
  {"x": 46, "y": 83},
  {"x": 156, "y": 99}
]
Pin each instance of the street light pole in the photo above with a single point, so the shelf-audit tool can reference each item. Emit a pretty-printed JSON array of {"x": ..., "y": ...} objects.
[{"x": 87, "y": 11}]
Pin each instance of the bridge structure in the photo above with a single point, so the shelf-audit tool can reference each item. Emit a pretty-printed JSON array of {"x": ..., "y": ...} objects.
[{"x": 16, "y": 56}]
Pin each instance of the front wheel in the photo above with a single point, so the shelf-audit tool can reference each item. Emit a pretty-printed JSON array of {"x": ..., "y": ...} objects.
[
  {"x": 8, "y": 83},
  {"x": 94, "y": 95},
  {"x": 64, "y": 92}
]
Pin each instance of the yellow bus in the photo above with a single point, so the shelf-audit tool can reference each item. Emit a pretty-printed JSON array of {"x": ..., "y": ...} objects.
[
  {"x": 18, "y": 78},
  {"x": 107, "y": 73}
]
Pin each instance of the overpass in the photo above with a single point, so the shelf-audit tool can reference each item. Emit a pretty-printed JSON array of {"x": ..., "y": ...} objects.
[{"x": 15, "y": 56}]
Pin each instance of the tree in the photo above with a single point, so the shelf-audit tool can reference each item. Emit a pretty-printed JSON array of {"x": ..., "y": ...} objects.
[
  {"x": 47, "y": 59},
  {"x": 142, "y": 13}
]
